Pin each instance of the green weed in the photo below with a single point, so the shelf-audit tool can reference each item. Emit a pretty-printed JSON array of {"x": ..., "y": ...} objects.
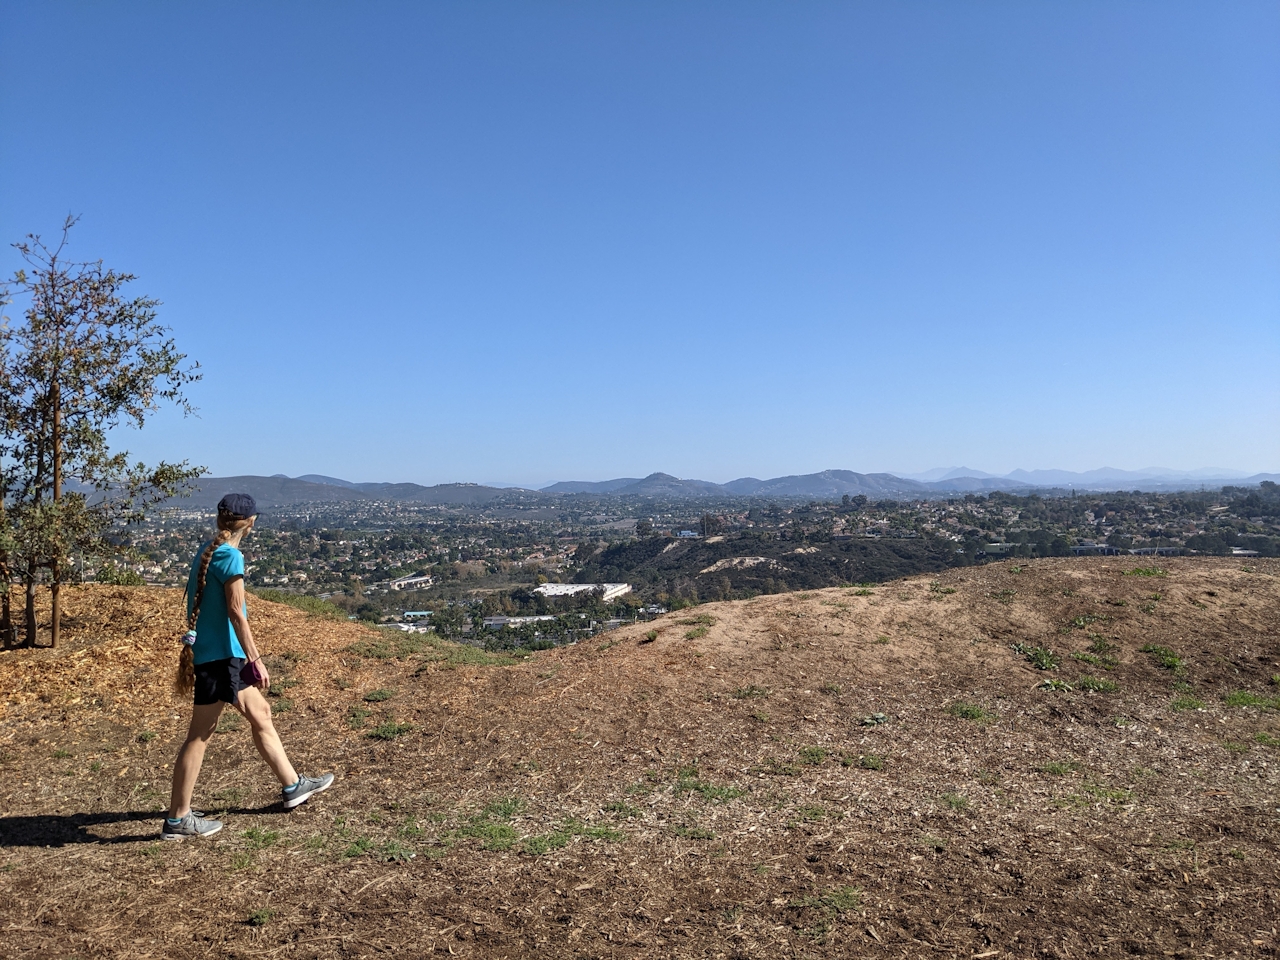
[
  {"x": 377, "y": 696},
  {"x": 356, "y": 716},
  {"x": 281, "y": 706},
  {"x": 1266, "y": 739},
  {"x": 260, "y": 918},
  {"x": 649, "y": 637},
  {"x": 389, "y": 730},
  {"x": 1042, "y": 658},
  {"x": 1185, "y": 701},
  {"x": 1145, "y": 572},
  {"x": 970, "y": 711},
  {"x": 697, "y": 633},
  {"x": 955, "y": 801},
  {"x": 1097, "y": 685},
  {"x": 146, "y": 736},
  {"x": 746, "y": 693},
  {"x": 1164, "y": 657},
  {"x": 61, "y": 754},
  {"x": 1095, "y": 660}
]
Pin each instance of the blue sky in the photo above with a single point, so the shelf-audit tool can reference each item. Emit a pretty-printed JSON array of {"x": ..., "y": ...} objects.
[{"x": 540, "y": 241}]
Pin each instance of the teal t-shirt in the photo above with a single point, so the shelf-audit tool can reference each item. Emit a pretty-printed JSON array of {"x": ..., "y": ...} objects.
[{"x": 215, "y": 637}]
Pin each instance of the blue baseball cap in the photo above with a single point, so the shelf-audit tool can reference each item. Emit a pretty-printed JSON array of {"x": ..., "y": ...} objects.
[{"x": 237, "y": 506}]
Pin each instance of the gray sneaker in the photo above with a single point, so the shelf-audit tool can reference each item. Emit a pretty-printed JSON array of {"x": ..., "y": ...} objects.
[
  {"x": 302, "y": 791},
  {"x": 192, "y": 825}
]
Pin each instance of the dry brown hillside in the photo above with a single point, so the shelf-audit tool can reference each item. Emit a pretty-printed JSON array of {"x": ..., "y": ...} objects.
[{"x": 846, "y": 772}]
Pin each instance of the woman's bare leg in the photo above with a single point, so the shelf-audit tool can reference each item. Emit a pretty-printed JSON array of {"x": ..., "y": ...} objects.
[
  {"x": 204, "y": 720},
  {"x": 253, "y": 705}
]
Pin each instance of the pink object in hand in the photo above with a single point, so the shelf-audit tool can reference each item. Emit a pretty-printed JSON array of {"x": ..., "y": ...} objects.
[{"x": 251, "y": 673}]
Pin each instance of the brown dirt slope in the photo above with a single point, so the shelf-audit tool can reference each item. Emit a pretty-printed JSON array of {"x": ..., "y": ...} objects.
[{"x": 839, "y": 773}]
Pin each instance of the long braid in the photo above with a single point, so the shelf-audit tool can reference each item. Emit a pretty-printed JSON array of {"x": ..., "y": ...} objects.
[{"x": 185, "y": 680}]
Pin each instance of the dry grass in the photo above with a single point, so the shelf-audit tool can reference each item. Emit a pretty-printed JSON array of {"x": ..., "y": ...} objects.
[{"x": 631, "y": 800}]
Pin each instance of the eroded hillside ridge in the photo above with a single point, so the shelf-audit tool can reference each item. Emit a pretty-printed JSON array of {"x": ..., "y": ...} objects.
[{"x": 1077, "y": 757}]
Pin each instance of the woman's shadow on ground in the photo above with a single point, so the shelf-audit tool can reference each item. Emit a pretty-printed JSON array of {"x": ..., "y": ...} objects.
[{"x": 63, "y": 830}]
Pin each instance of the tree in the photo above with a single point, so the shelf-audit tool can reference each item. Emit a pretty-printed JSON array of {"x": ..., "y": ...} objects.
[{"x": 84, "y": 360}]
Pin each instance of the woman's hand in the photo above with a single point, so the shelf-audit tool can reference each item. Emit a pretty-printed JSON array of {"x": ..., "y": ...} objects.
[{"x": 265, "y": 682}]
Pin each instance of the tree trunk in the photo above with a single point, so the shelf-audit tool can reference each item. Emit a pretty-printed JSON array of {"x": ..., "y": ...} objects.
[
  {"x": 8, "y": 636},
  {"x": 30, "y": 640},
  {"x": 55, "y": 624}
]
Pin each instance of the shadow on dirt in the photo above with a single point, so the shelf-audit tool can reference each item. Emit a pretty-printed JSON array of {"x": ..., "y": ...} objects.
[{"x": 61, "y": 831}]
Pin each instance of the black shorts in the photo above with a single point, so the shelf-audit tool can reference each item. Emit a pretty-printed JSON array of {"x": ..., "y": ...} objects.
[{"x": 218, "y": 681}]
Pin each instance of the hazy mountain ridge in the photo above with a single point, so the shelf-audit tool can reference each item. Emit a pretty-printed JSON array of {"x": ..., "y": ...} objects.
[{"x": 280, "y": 490}]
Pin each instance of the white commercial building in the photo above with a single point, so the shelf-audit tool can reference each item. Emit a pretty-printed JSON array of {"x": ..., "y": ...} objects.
[{"x": 607, "y": 591}]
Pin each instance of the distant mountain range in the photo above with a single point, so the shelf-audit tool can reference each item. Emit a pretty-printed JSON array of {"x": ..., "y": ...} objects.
[{"x": 280, "y": 490}]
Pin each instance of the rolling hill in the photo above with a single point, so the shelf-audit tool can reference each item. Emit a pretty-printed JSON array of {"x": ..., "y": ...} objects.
[{"x": 1058, "y": 758}]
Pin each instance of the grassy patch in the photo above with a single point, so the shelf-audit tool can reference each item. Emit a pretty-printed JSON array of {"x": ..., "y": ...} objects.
[
  {"x": 863, "y": 592},
  {"x": 813, "y": 755},
  {"x": 146, "y": 736},
  {"x": 836, "y": 900},
  {"x": 61, "y": 754},
  {"x": 746, "y": 693},
  {"x": 870, "y": 761},
  {"x": 694, "y": 833},
  {"x": 621, "y": 809},
  {"x": 377, "y": 696},
  {"x": 688, "y": 781},
  {"x": 649, "y": 637},
  {"x": 830, "y": 689},
  {"x": 281, "y": 706},
  {"x": 389, "y": 730},
  {"x": 356, "y": 716},
  {"x": 1186, "y": 701},
  {"x": 697, "y": 633},
  {"x": 1266, "y": 739},
  {"x": 260, "y": 918},
  {"x": 970, "y": 711},
  {"x": 1243, "y": 698},
  {"x": 955, "y": 801},
  {"x": 699, "y": 620},
  {"x": 1004, "y": 596},
  {"x": 259, "y": 839},
  {"x": 883, "y": 641},
  {"x": 313, "y": 606},
  {"x": 489, "y": 826},
  {"x": 1146, "y": 572},
  {"x": 460, "y": 655},
  {"x": 1059, "y": 768}
]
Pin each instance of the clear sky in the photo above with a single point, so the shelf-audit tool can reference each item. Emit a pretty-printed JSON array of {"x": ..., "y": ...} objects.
[{"x": 533, "y": 241}]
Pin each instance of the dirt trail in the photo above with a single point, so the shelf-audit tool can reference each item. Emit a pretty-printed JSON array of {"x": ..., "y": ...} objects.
[{"x": 846, "y": 772}]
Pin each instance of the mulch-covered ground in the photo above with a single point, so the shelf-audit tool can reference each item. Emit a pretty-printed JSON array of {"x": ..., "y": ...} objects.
[{"x": 849, "y": 772}]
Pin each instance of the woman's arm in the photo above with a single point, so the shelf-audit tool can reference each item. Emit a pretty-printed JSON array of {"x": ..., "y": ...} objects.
[{"x": 240, "y": 623}]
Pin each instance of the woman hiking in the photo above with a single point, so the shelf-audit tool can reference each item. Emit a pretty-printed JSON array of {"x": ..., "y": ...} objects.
[{"x": 221, "y": 664}]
